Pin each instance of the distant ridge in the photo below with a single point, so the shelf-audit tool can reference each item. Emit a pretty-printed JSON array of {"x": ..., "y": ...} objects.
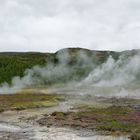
[{"x": 71, "y": 49}]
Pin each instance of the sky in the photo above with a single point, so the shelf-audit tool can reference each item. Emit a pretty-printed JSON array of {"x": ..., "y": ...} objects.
[{"x": 49, "y": 25}]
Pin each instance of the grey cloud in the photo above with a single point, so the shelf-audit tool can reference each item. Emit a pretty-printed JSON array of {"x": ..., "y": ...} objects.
[{"x": 48, "y": 25}]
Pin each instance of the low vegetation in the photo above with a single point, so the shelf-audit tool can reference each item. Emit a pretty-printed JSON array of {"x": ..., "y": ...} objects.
[
  {"x": 23, "y": 100},
  {"x": 110, "y": 120},
  {"x": 15, "y": 64}
]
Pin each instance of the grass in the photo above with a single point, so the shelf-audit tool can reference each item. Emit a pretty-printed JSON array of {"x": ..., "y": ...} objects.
[
  {"x": 14, "y": 64},
  {"x": 27, "y": 100},
  {"x": 113, "y": 120}
]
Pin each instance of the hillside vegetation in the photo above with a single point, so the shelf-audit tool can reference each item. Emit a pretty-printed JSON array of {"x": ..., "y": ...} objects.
[{"x": 14, "y": 64}]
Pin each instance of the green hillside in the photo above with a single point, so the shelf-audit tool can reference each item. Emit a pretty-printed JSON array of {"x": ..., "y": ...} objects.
[
  {"x": 14, "y": 64},
  {"x": 80, "y": 60}
]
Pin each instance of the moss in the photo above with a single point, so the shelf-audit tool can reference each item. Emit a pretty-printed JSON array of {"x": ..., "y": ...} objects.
[
  {"x": 111, "y": 119},
  {"x": 109, "y": 111},
  {"x": 20, "y": 106},
  {"x": 26, "y": 100},
  {"x": 58, "y": 114},
  {"x": 116, "y": 125}
]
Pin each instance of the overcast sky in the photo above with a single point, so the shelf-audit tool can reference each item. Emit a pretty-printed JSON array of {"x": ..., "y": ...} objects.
[{"x": 48, "y": 25}]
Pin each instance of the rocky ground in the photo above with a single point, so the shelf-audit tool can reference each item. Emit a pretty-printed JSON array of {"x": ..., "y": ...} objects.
[
  {"x": 70, "y": 117},
  {"x": 119, "y": 118}
]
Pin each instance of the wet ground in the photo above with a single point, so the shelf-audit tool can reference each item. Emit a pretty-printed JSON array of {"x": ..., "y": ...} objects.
[{"x": 23, "y": 124}]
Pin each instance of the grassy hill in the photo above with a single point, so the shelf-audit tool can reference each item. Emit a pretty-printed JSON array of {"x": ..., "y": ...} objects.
[{"x": 15, "y": 63}]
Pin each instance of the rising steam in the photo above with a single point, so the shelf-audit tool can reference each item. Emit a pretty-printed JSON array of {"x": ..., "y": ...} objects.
[
  {"x": 85, "y": 71},
  {"x": 114, "y": 73}
]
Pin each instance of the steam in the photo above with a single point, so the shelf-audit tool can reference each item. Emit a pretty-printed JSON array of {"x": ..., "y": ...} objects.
[
  {"x": 115, "y": 73},
  {"x": 82, "y": 70},
  {"x": 51, "y": 73}
]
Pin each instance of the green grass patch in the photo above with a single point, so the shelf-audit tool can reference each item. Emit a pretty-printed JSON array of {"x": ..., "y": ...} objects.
[
  {"x": 115, "y": 126},
  {"x": 113, "y": 119},
  {"x": 27, "y": 100}
]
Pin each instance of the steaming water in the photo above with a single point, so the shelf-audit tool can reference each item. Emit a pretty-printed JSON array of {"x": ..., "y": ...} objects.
[
  {"x": 8, "y": 128},
  {"x": 66, "y": 134},
  {"x": 43, "y": 133}
]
